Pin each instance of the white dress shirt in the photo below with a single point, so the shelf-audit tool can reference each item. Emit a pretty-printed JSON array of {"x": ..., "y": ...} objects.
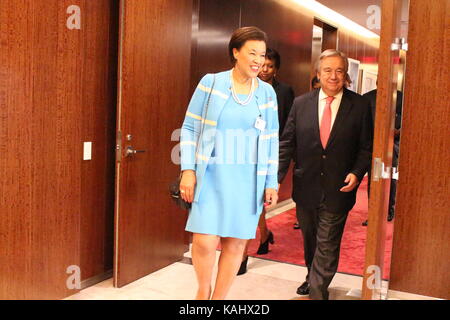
[{"x": 334, "y": 105}]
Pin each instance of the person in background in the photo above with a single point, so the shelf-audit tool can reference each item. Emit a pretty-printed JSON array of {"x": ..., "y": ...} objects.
[
  {"x": 285, "y": 97},
  {"x": 330, "y": 132},
  {"x": 228, "y": 181},
  {"x": 371, "y": 96},
  {"x": 348, "y": 81},
  {"x": 285, "y": 93},
  {"x": 315, "y": 83}
]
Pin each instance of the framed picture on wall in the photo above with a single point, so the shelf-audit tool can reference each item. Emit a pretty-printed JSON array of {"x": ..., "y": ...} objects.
[
  {"x": 360, "y": 77},
  {"x": 369, "y": 81},
  {"x": 353, "y": 72}
]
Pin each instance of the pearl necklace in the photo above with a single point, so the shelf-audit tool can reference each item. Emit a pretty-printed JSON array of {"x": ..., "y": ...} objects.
[{"x": 236, "y": 98}]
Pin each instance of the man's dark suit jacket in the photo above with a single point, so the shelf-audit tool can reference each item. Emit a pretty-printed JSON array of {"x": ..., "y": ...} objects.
[
  {"x": 319, "y": 174},
  {"x": 371, "y": 96},
  {"x": 285, "y": 97}
]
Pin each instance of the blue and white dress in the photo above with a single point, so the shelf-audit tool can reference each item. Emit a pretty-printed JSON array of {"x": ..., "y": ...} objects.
[{"x": 235, "y": 159}]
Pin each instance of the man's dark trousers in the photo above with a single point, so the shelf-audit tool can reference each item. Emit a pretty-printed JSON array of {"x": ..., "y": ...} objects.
[{"x": 324, "y": 228}]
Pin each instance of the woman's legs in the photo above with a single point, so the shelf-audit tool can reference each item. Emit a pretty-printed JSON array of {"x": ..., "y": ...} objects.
[
  {"x": 245, "y": 253},
  {"x": 263, "y": 232},
  {"x": 229, "y": 262},
  {"x": 262, "y": 225},
  {"x": 203, "y": 258}
]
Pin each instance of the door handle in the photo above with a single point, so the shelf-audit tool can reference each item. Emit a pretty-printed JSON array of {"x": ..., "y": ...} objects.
[{"x": 130, "y": 151}]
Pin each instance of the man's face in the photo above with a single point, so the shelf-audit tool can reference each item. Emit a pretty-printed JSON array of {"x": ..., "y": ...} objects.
[{"x": 332, "y": 75}]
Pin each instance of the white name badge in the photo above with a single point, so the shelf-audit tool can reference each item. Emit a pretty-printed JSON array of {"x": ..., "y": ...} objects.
[{"x": 260, "y": 124}]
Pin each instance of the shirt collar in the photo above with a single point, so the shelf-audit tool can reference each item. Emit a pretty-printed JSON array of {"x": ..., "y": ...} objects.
[{"x": 323, "y": 95}]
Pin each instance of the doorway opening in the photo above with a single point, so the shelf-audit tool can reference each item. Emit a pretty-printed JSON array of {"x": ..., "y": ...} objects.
[{"x": 324, "y": 37}]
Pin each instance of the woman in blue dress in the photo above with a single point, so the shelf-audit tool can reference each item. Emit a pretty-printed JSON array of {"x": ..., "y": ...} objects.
[{"x": 229, "y": 161}]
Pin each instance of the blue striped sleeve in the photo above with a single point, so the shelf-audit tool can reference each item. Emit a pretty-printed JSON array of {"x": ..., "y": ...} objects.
[{"x": 191, "y": 127}]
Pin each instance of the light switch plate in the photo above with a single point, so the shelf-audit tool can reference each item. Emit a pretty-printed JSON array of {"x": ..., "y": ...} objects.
[{"x": 87, "y": 151}]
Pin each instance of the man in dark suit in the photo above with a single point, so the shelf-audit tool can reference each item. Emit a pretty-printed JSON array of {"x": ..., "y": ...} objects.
[
  {"x": 329, "y": 131},
  {"x": 371, "y": 96}
]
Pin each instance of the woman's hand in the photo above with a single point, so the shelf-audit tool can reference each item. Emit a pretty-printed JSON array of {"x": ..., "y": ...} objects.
[
  {"x": 270, "y": 198},
  {"x": 187, "y": 185}
]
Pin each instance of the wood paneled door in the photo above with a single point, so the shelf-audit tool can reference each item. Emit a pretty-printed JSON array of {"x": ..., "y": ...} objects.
[
  {"x": 382, "y": 150},
  {"x": 154, "y": 90}
]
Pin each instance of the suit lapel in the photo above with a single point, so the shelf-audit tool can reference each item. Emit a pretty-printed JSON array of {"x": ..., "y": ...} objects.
[
  {"x": 344, "y": 109},
  {"x": 314, "y": 114}
]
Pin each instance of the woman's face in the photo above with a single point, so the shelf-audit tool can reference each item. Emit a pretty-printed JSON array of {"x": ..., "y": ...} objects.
[
  {"x": 268, "y": 71},
  {"x": 250, "y": 58}
]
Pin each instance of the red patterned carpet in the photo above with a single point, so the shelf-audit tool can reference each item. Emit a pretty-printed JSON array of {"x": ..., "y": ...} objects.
[{"x": 288, "y": 245}]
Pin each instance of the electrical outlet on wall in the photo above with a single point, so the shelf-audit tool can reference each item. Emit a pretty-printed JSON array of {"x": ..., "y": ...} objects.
[{"x": 87, "y": 151}]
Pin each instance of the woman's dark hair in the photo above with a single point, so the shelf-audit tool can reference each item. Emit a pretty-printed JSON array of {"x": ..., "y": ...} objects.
[
  {"x": 242, "y": 35},
  {"x": 274, "y": 56}
]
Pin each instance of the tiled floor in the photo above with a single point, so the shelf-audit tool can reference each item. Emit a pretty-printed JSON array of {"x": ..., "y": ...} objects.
[{"x": 264, "y": 280}]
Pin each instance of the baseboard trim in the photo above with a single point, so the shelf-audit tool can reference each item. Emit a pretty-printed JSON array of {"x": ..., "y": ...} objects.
[
  {"x": 96, "y": 279},
  {"x": 400, "y": 295}
]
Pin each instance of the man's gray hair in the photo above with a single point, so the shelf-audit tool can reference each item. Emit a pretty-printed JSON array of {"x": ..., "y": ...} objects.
[{"x": 331, "y": 53}]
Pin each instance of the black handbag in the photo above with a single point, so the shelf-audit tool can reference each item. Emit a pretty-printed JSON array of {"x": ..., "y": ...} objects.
[
  {"x": 174, "y": 187},
  {"x": 175, "y": 194}
]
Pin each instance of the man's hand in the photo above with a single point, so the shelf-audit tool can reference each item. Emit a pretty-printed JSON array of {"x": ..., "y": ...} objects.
[
  {"x": 352, "y": 182},
  {"x": 187, "y": 185},
  {"x": 270, "y": 198}
]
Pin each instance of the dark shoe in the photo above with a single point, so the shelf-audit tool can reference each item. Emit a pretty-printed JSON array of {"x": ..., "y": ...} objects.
[
  {"x": 243, "y": 267},
  {"x": 365, "y": 223},
  {"x": 303, "y": 290},
  {"x": 296, "y": 226},
  {"x": 264, "y": 247}
]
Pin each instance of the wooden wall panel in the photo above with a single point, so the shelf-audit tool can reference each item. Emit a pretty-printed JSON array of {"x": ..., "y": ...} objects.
[
  {"x": 57, "y": 90},
  {"x": 195, "y": 76},
  {"x": 421, "y": 248},
  {"x": 357, "y": 47},
  {"x": 361, "y": 50},
  {"x": 15, "y": 146},
  {"x": 290, "y": 33},
  {"x": 216, "y": 22},
  {"x": 56, "y": 131},
  {"x": 343, "y": 42},
  {"x": 41, "y": 149},
  {"x": 99, "y": 81},
  {"x": 351, "y": 51},
  {"x": 330, "y": 38}
]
